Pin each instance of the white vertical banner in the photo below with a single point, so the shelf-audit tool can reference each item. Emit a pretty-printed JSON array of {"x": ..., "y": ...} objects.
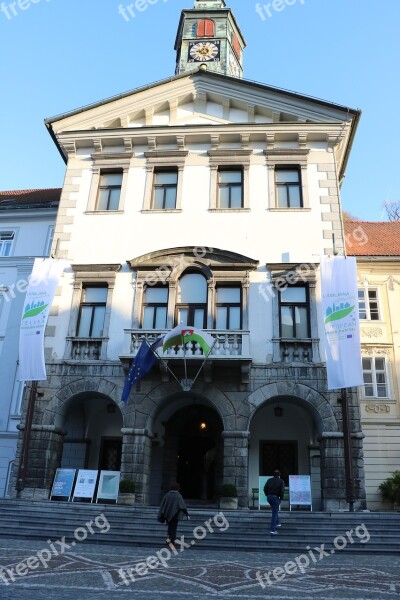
[
  {"x": 43, "y": 283},
  {"x": 341, "y": 322}
]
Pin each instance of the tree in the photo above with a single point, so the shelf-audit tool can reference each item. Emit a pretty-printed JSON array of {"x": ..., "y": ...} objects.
[
  {"x": 392, "y": 210},
  {"x": 347, "y": 216}
]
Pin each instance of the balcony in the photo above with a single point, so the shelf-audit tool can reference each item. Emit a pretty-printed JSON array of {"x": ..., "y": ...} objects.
[
  {"x": 231, "y": 348},
  {"x": 296, "y": 351},
  {"x": 84, "y": 349}
]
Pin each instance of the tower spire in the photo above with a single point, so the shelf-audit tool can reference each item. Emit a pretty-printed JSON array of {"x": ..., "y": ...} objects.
[{"x": 208, "y": 34}]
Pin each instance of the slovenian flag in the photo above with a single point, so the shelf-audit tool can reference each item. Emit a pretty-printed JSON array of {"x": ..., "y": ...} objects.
[{"x": 184, "y": 334}]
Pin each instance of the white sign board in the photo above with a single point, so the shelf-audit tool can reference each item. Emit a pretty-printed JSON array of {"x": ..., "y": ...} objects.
[
  {"x": 85, "y": 484},
  {"x": 300, "y": 490},
  {"x": 108, "y": 485}
]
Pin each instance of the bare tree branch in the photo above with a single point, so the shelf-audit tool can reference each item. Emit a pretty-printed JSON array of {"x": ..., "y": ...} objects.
[{"x": 392, "y": 210}]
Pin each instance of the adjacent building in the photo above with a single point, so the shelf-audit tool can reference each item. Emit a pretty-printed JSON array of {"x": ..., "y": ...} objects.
[
  {"x": 27, "y": 219},
  {"x": 204, "y": 199},
  {"x": 377, "y": 248}
]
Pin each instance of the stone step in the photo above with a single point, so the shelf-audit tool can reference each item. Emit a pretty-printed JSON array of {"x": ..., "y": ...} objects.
[{"x": 248, "y": 530}]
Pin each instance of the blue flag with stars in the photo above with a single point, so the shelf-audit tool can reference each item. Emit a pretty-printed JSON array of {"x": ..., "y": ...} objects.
[{"x": 144, "y": 360}]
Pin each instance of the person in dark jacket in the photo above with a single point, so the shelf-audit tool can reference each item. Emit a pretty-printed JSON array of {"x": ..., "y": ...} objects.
[
  {"x": 172, "y": 508},
  {"x": 274, "y": 490}
]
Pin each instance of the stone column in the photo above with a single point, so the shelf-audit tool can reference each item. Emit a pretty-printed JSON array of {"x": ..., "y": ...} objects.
[
  {"x": 333, "y": 477},
  {"x": 136, "y": 461},
  {"x": 45, "y": 452},
  {"x": 236, "y": 461}
]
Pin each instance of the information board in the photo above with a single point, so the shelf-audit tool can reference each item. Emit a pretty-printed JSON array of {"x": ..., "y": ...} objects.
[
  {"x": 262, "y": 498},
  {"x": 85, "y": 484},
  {"x": 63, "y": 483},
  {"x": 300, "y": 490},
  {"x": 108, "y": 485}
]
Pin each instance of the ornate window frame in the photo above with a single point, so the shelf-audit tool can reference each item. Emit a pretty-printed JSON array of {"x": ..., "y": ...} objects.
[
  {"x": 229, "y": 159},
  {"x": 290, "y": 158},
  {"x": 167, "y": 159},
  {"x": 104, "y": 162}
]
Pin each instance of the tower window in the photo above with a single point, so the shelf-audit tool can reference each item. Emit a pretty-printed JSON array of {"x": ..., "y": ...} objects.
[{"x": 205, "y": 28}]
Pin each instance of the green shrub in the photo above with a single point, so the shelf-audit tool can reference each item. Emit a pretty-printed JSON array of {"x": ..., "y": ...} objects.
[
  {"x": 390, "y": 488},
  {"x": 228, "y": 490},
  {"x": 127, "y": 486}
]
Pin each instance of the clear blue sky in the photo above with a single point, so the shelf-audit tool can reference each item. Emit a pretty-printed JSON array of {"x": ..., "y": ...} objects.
[{"x": 58, "y": 55}]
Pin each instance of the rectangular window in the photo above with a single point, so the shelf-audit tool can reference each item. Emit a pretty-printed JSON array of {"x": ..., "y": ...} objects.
[
  {"x": 368, "y": 305},
  {"x": 375, "y": 378},
  {"x": 165, "y": 187},
  {"x": 288, "y": 188},
  {"x": 92, "y": 312},
  {"x": 155, "y": 308},
  {"x": 294, "y": 312},
  {"x": 6, "y": 242},
  {"x": 109, "y": 191},
  {"x": 228, "y": 308},
  {"x": 230, "y": 188}
]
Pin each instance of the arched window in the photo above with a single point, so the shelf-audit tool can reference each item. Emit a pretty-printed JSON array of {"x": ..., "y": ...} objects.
[
  {"x": 205, "y": 28},
  {"x": 191, "y": 301}
]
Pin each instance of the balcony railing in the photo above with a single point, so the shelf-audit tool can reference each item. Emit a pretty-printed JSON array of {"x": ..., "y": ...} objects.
[
  {"x": 292, "y": 351},
  {"x": 228, "y": 344},
  {"x": 84, "y": 349}
]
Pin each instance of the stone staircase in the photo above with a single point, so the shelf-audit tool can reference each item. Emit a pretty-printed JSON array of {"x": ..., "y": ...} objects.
[{"x": 207, "y": 529}]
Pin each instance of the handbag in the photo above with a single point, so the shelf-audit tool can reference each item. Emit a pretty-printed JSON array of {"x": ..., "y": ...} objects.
[{"x": 160, "y": 518}]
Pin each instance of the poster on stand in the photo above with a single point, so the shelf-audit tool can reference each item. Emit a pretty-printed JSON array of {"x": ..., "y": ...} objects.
[
  {"x": 63, "y": 483},
  {"x": 85, "y": 484},
  {"x": 108, "y": 485},
  {"x": 300, "y": 491}
]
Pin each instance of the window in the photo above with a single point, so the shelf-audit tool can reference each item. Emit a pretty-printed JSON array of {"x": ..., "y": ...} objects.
[
  {"x": 49, "y": 241},
  {"x": 230, "y": 188},
  {"x": 294, "y": 310},
  {"x": 288, "y": 188},
  {"x": 375, "y": 378},
  {"x": 229, "y": 308},
  {"x": 155, "y": 307},
  {"x": 205, "y": 28},
  {"x": 6, "y": 242},
  {"x": 164, "y": 190},
  {"x": 368, "y": 305},
  {"x": 92, "y": 312},
  {"x": 109, "y": 191},
  {"x": 236, "y": 46},
  {"x": 191, "y": 308}
]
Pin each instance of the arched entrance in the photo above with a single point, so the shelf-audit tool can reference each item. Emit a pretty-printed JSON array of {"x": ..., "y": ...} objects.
[
  {"x": 284, "y": 436},
  {"x": 93, "y": 437},
  {"x": 188, "y": 449}
]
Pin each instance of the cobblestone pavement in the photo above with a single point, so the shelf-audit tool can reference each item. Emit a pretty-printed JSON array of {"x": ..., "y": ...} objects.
[{"x": 88, "y": 571}]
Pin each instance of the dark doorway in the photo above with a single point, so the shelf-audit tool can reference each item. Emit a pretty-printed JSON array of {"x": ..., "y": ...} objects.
[
  {"x": 110, "y": 454},
  {"x": 193, "y": 452},
  {"x": 279, "y": 455}
]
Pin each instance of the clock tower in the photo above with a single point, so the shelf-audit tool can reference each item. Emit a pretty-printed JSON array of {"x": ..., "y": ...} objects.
[{"x": 208, "y": 34}]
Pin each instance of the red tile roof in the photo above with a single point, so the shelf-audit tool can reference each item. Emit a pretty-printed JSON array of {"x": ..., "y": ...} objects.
[
  {"x": 366, "y": 238},
  {"x": 39, "y": 198}
]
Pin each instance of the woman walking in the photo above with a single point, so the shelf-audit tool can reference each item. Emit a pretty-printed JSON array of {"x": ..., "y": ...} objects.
[{"x": 172, "y": 509}]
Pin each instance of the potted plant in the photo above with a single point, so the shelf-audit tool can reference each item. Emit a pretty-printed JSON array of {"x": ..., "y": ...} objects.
[
  {"x": 228, "y": 499},
  {"x": 390, "y": 490},
  {"x": 126, "y": 492}
]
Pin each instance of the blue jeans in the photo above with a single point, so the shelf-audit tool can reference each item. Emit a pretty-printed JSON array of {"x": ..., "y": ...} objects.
[{"x": 275, "y": 502}]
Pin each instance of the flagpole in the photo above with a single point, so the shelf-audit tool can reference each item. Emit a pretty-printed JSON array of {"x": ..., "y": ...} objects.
[
  {"x": 163, "y": 361},
  {"x": 348, "y": 458},
  {"x": 24, "y": 456},
  {"x": 204, "y": 361},
  {"x": 184, "y": 358}
]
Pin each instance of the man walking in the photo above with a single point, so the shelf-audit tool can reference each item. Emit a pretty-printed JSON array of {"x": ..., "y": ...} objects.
[{"x": 274, "y": 490}]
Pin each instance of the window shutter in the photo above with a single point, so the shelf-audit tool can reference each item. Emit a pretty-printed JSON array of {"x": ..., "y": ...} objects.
[
  {"x": 206, "y": 28},
  {"x": 236, "y": 46}
]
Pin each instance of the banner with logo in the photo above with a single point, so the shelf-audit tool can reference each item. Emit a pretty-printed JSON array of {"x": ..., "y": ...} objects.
[
  {"x": 43, "y": 283},
  {"x": 341, "y": 322}
]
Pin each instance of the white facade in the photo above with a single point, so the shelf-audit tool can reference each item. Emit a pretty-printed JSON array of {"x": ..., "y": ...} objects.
[{"x": 27, "y": 222}]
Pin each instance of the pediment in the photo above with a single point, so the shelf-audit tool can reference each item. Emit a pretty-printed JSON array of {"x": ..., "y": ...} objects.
[
  {"x": 190, "y": 257},
  {"x": 200, "y": 98}
]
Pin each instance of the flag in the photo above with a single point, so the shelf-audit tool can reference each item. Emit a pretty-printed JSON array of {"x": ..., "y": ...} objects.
[
  {"x": 184, "y": 333},
  {"x": 43, "y": 283},
  {"x": 341, "y": 322},
  {"x": 143, "y": 362}
]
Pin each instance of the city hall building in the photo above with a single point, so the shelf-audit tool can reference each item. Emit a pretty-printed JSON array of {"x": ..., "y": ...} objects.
[{"x": 207, "y": 200}]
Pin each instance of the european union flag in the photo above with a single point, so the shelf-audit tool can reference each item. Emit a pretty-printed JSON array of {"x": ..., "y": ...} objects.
[{"x": 144, "y": 360}]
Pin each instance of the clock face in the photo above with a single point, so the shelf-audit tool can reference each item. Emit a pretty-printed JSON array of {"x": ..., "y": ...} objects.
[{"x": 204, "y": 51}]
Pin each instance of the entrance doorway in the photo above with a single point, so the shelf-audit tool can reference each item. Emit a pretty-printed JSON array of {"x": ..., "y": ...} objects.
[
  {"x": 193, "y": 452},
  {"x": 279, "y": 455}
]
